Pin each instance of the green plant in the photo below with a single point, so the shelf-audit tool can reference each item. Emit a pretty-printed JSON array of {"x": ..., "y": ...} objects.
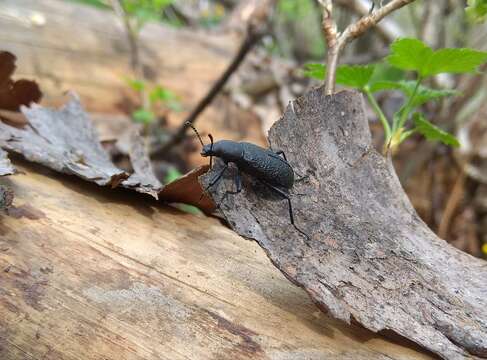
[
  {"x": 142, "y": 11},
  {"x": 158, "y": 96},
  {"x": 477, "y": 10},
  {"x": 406, "y": 55}
]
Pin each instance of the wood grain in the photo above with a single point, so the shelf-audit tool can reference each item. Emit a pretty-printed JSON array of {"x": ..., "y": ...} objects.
[{"x": 88, "y": 273}]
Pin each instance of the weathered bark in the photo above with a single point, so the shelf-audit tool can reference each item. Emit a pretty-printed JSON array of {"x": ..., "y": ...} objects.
[
  {"x": 6, "y": 167},
  {"x": 91, "y": 274},
  {"x": 370, "y": 257}
]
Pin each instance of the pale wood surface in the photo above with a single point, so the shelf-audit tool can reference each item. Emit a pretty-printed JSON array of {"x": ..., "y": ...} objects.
[{"x": 90, "y": 273}]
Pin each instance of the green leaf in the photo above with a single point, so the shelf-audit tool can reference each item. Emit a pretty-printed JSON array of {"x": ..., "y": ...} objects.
[
  {"x": 413, "y": 54},
  {"x": 409, "y": 54},
  {"x": 476, "y": 10},
  {"x": 355, "y": 76},
  {"x": 160, "y": 93},
  {"x": 385, "y": 72},
  {"x": 454, "y": 61},
  {"x": 135, "y": 84},
  {"x": 315, "y": 71},
  {"x": 423, "y": 94},
  {"x": 143, "y": 116},
  {"x": 432, "y": 132}
]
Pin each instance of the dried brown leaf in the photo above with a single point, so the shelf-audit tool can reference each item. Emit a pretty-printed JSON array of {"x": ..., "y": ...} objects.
[
  {"x": 188, "y": 190},
  {"x": 14, "y": 94}
]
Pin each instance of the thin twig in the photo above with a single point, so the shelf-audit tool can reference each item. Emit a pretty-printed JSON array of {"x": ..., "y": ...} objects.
[
  {"x": 247, "y": 45},
  {"x": 388, "y": 30},
  {"x": 257, "y": 21},
  {"x": 133, "y": 40},
  {"x": 337, "y": 43},
  {"x": 330, "y": 31}
]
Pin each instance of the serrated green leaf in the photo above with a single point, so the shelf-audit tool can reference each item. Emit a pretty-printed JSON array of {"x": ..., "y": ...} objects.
[
  {"x": 476, "y": 10},
  {"x": 409, "y": 54},
  {"x": 315, "y": 71},
  {"x": 453, "y": 61},
  {"x": 355, "y": 76},
  {"x": 143, "y": 116},
  {"x": 432, "y": 132},
  {"x": 423, "y": 93},
  {"x": 413, "y": 54}
]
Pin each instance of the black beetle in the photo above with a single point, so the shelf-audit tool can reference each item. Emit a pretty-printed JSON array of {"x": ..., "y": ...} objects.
[{"x": 268, "y": 166}]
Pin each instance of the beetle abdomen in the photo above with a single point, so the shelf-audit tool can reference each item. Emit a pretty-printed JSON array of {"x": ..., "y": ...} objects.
[{"x": 266, "y": 165}]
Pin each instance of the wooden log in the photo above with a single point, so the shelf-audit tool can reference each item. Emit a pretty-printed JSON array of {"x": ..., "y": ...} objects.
[{"x": 92, "y": 273}]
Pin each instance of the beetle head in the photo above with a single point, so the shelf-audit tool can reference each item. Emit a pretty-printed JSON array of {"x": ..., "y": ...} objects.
[{"x": 207, "y": 150}]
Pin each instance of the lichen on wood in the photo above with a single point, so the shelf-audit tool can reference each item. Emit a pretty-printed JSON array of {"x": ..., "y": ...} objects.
[{"x": 370, "y": 257}]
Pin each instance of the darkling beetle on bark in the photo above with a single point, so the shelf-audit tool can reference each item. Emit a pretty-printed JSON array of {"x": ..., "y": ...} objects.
[{"x": 269, "y": 167}]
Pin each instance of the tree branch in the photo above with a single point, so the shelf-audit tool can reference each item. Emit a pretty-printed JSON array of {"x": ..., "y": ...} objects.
[
  {"x": 133, "y": 40},
  {"x": 387, "y": 30},
  {"x": 330, "y": 31},
  {"x": 336, "y": 44},
  {"x": 247, "y": 45}
]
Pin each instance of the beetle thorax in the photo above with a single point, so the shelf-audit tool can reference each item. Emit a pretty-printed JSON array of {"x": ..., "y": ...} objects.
[{"x": 226, "y": 150}]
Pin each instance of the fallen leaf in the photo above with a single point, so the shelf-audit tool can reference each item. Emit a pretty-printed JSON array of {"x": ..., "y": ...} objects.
[
  {"x": 14, "y": 94},
  {"x": 188, "y": 190},
  {"x": 369, "y": 257}
]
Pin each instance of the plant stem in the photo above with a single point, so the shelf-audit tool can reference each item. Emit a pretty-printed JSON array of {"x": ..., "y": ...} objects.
[
  {"x": 408, "y": 107},
  {"x": 380, "y": 114}
]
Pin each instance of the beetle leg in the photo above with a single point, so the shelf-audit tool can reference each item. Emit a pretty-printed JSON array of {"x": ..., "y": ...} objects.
[
  {"x": 291, "y": 216},
  {"x": 214, "y": 180},
  {"x": 280, "y": 152},
  {"x": 217, "y": 177},
  {"x": 238, "y": 184}
]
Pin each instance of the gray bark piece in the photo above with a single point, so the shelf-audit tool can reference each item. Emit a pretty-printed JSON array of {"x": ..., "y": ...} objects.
[
  {"x": 6, "y": 167},
  {"x": 143, "y": 179},
  {"x": 6, "y": 193},
  {"x": 64, "y": 140},
  {"x": 370, "y": 257}
]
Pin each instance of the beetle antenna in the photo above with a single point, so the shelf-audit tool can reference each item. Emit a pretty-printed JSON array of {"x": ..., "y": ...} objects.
[
  {"x": 211, "y": 149},
  {"x": 187, "y": 123}
]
